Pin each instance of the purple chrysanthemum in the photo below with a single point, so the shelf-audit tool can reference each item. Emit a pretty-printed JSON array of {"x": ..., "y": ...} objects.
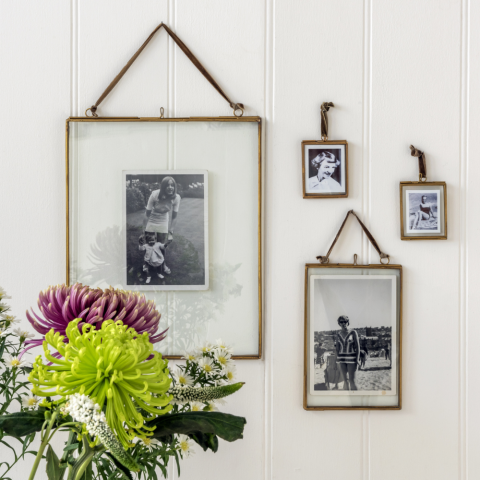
[{"x": 60, "y": 305}]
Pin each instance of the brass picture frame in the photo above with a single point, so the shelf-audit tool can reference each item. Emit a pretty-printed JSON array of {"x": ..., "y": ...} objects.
[
  {"x": 423, "y": 188},
  {"x": 342, "y": 172},
  {"x": 233, "y": 119},
  {"x": 350, "y": 269}
]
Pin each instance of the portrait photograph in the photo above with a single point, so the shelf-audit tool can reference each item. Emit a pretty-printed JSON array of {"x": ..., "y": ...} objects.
[
  {"x": 423, "y": 210},
  {"x": 166, "y": 229},
  {"x": 423, "y": 207},
  {"x": 324, "y": 169},
  {"x": 353, "y": 335}
]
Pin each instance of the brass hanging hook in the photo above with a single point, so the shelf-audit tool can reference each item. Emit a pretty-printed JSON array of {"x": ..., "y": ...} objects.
[
  {"x": 324, "y": 108},
  {"x": 422, "y": 165}
]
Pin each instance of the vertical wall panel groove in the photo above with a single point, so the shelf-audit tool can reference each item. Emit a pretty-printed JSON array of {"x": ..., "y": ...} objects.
[
  {"x": 268, "y": 325},
  {"x": 463, "y": 245},
  {"x": 366, "y": 124}
]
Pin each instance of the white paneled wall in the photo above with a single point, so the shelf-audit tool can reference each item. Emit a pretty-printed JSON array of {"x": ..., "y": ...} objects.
[{"x": 399, "y": 73}]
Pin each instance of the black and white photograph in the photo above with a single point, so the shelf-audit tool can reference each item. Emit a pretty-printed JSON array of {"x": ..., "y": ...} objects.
[
  {"x": 423, "y": 210},
  {"x": 353, "y": 335},
  {"x": 324, "y": 170},
  {"x": 166, "y": 225}
]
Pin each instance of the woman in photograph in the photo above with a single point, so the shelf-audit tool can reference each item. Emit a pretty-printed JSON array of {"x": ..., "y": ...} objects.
[
  {"x": 348, "y": 352},
  {"x": 162, "y": 204},
  {"x": 425, "y": 212},
  {"x": 326, "y": 163}
]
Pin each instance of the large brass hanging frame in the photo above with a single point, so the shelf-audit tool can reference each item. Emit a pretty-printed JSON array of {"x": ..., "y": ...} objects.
[{"x": 232, "y": 119}]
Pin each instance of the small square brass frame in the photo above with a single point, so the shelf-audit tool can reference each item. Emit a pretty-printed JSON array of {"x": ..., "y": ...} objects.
[
  {"x": 305, "y": 346},
  {"x": 325, "y": 195},
  {"x": 402, "y": 221}
]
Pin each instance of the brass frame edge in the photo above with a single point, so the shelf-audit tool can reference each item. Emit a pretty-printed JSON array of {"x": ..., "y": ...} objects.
[
  {"x": 251, "y": 119},
  {"x": 325, "y": 142},
  {"x": 445, "y": 205},
  {"x": 400, "y": 337}
]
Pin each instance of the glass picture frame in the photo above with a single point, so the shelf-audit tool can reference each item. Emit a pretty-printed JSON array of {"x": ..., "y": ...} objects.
[
  {"x": 353, "y": 337},
  {"x": 214, "y": 252},
  {"x": 325, "y": 168},
  {"x": 423, "y": 210}
]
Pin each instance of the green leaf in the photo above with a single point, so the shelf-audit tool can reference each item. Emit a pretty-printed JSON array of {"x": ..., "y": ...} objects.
[
  {"x": 2, "y": 347},
  {"x": 72, "y": 446},
  {"x": 205, "y": 440},
  {"x": 22, "y": 423},
  {"x": 54, "y": 471},
  {"x": 124, "y": 471},
  {"x": 226, "y": 426}
]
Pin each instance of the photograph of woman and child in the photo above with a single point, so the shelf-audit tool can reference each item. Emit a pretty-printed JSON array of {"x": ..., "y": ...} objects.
[
  {"x": 352, "y": 335},
  {"x": 166, "y": 239}
]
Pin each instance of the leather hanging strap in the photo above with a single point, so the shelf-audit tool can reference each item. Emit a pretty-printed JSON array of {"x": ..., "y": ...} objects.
[
  {"x": 324, "y": 108},
  {"x": 190, "y": 56},
  {"x": 325, "y": 259},
  {"x": 422, "y": 166}
]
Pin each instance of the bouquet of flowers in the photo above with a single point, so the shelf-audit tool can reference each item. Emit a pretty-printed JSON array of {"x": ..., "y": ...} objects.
[{"x": 100, "y": 379}]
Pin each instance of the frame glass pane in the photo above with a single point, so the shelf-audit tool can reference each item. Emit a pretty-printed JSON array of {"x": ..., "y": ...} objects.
[{"x": 214, "y": 288}]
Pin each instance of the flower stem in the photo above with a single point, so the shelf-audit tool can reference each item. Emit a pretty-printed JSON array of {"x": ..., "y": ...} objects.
[
  {"x": 84, "y": 460},
  {"x": 43, "y": 445}
]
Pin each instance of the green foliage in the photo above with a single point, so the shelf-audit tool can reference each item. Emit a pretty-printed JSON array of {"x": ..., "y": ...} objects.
[
  {"x": 20, "y": 425},
  {"x": 54, "y": 470},
  {"x": 226, "y": 426},
  {"x": 206, "y": 440},
  {"x": 135, "y": 200},
  {"x": 24, "y": 423}
]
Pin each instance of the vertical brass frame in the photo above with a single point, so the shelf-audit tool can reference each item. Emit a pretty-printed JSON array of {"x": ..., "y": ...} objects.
[
  {"x": 305, "y": 346},
  {"x": 326, "y": 142},
  {"x": 402, "y": 222},
  {"x": 242, "y": 119}
]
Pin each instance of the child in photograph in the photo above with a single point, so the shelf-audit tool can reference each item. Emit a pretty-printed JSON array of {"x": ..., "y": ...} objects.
[
  {"x": 154, "y": 259},
  {"x": 326, "y": 163}
]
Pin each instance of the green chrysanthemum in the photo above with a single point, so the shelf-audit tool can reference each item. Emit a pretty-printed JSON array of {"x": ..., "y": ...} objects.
[{"x": 111, "y": 366}]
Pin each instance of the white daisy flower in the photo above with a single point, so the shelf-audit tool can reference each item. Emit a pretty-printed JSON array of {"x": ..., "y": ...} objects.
[
  {"x": 185, "y": 445},
  {"x": 30, "y": 402},
  {"x": 211, "y": 407},
  {"x": 206, "y": 364},
  {"x": 189, "y": 356},
  {"x": 221, "y": 344},
  {"x": 15, "y": 362},
  {"x": 181, "y": 378},
  {"x": 205, "y": 348},
  {"x": 3, "y": 293},
  {"x": 231, "y": 372},
  {"x": 148, "y": 442},
  {"x": 10, "y": 319},
  {"x": 196, "y": 406},
  {"x": 23, "y": 334},
  {"x": 223, "y": 357},
  {"x": 3, "y": 331},
  {"x": 220, "y": 401}
]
